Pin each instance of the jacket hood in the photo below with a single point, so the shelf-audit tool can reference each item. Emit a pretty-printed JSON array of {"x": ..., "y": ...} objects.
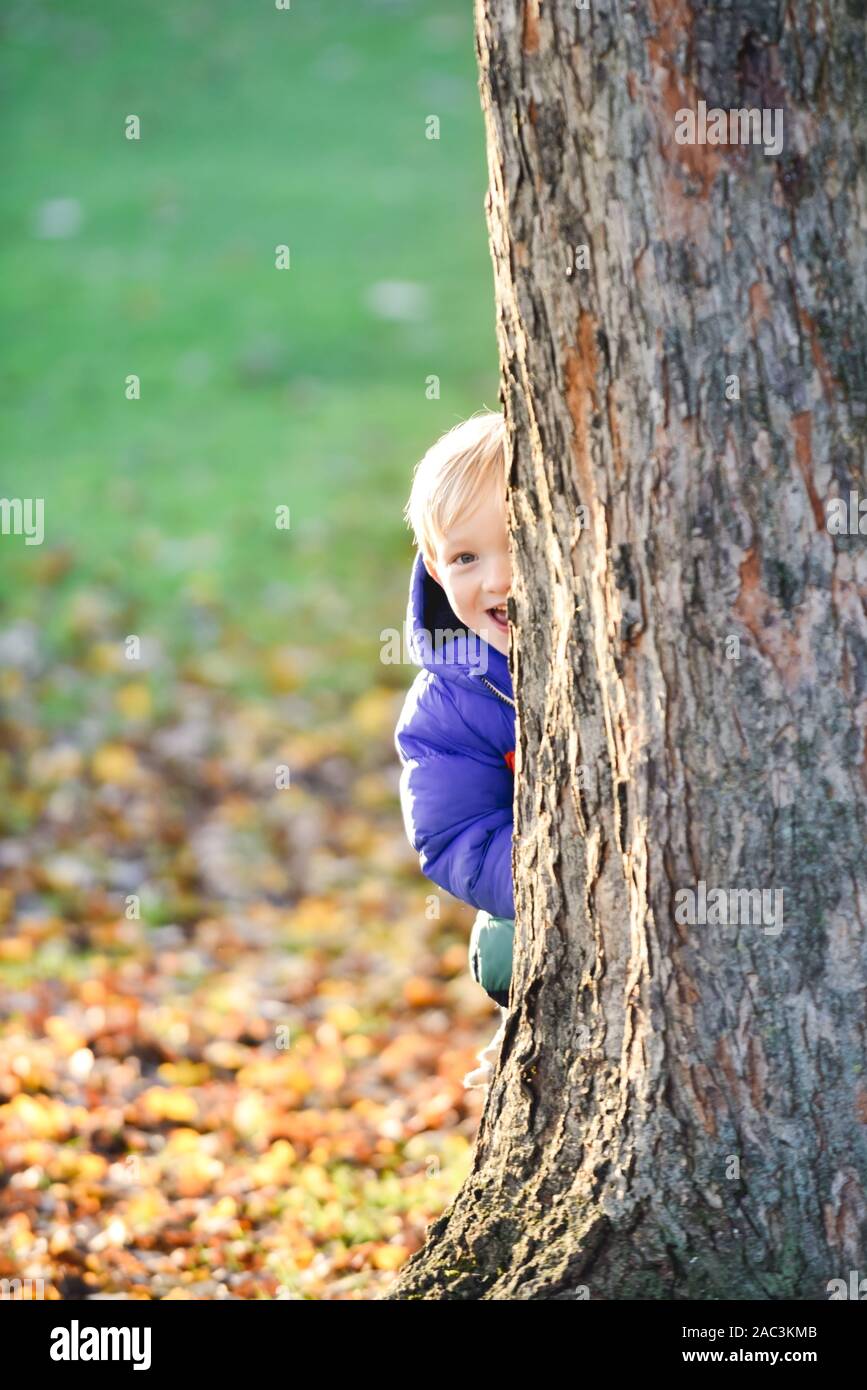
[{"x": 462, "y": 656}]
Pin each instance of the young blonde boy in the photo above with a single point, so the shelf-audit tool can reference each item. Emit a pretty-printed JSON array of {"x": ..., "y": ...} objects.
[{"x": 456, "y": 732}]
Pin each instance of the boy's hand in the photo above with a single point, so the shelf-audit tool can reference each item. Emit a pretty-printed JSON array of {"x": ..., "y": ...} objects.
[{"x": 490, "y": 954}]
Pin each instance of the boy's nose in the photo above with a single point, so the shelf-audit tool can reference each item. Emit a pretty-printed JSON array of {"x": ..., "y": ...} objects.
[{"x": 499, "y": 581}]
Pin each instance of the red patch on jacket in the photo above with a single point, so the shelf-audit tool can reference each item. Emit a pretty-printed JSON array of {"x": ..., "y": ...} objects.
[{"x": 510, "y": 760}]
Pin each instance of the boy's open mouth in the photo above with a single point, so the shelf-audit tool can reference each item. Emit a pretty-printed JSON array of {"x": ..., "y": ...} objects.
[{"x": 500, "y": 617}]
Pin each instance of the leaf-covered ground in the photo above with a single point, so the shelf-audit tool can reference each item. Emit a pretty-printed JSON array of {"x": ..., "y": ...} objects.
[{"x": 234, "y": 1027}]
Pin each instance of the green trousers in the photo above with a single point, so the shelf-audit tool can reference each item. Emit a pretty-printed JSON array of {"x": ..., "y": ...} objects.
[{"x": 490, "y": 955}]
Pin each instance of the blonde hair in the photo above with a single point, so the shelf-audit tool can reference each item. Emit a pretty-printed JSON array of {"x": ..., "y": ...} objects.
[{"x": 456, "y": 470}]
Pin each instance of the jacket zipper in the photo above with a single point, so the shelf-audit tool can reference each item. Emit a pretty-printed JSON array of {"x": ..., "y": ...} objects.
[{"x": 499, "y": 692}]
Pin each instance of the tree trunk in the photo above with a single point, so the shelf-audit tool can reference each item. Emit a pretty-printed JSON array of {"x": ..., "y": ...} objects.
[{"x": 680, "y": 1109}]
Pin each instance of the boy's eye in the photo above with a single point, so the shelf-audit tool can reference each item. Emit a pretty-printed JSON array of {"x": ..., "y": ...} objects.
[{"x": 465, "y": 555}]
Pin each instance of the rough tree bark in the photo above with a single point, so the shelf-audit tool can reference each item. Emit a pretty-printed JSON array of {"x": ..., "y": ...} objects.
[{"x": 680, "y": 1110}]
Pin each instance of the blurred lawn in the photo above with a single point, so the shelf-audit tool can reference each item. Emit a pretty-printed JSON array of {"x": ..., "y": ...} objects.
[{"x": 259, "y": 386}]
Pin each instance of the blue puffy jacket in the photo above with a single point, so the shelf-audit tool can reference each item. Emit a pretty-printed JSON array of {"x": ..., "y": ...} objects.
[{"x": 456, "y": 741}]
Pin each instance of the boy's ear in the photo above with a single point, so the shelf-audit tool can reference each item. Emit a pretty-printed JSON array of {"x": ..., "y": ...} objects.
[{"x": 431, "y": 568}]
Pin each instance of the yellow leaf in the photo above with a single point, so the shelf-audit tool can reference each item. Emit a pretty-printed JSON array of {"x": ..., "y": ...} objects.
[
  {"x": 117, "y": 764},
  {"x": 134, "y": 700},
  {"x": 37, "y": 1115},
  {"x": 275, "y": 1166},
  {"x": 146, "y": 1210},
  {"x": 375, "y": 711},
  {"x": 183, "y": 1073},
  {"x": 15, "y": 948},
  {"x": 250, "y": 1115},
  {"x": 343, "y": 1017},
  {"x": 281, "y": 664},
  {"x": 61, "y": 1239},
  {"x": 219, "y": 1218},
  {"x": 194, "y": 1174},
  {"x": 66, "y": 1038},
  {"x": 81, "y": 1167},
  {"x": 169, "y": 1103},
  {"x": 389, "y": 1256},
  {"x": 106, "y": 657}
]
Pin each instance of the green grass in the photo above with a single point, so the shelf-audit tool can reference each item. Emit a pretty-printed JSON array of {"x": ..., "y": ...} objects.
[{"x": 259, "y": 386}]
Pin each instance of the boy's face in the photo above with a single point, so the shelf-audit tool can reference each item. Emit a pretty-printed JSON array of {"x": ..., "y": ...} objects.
[{"x": 472, "y": 564}]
